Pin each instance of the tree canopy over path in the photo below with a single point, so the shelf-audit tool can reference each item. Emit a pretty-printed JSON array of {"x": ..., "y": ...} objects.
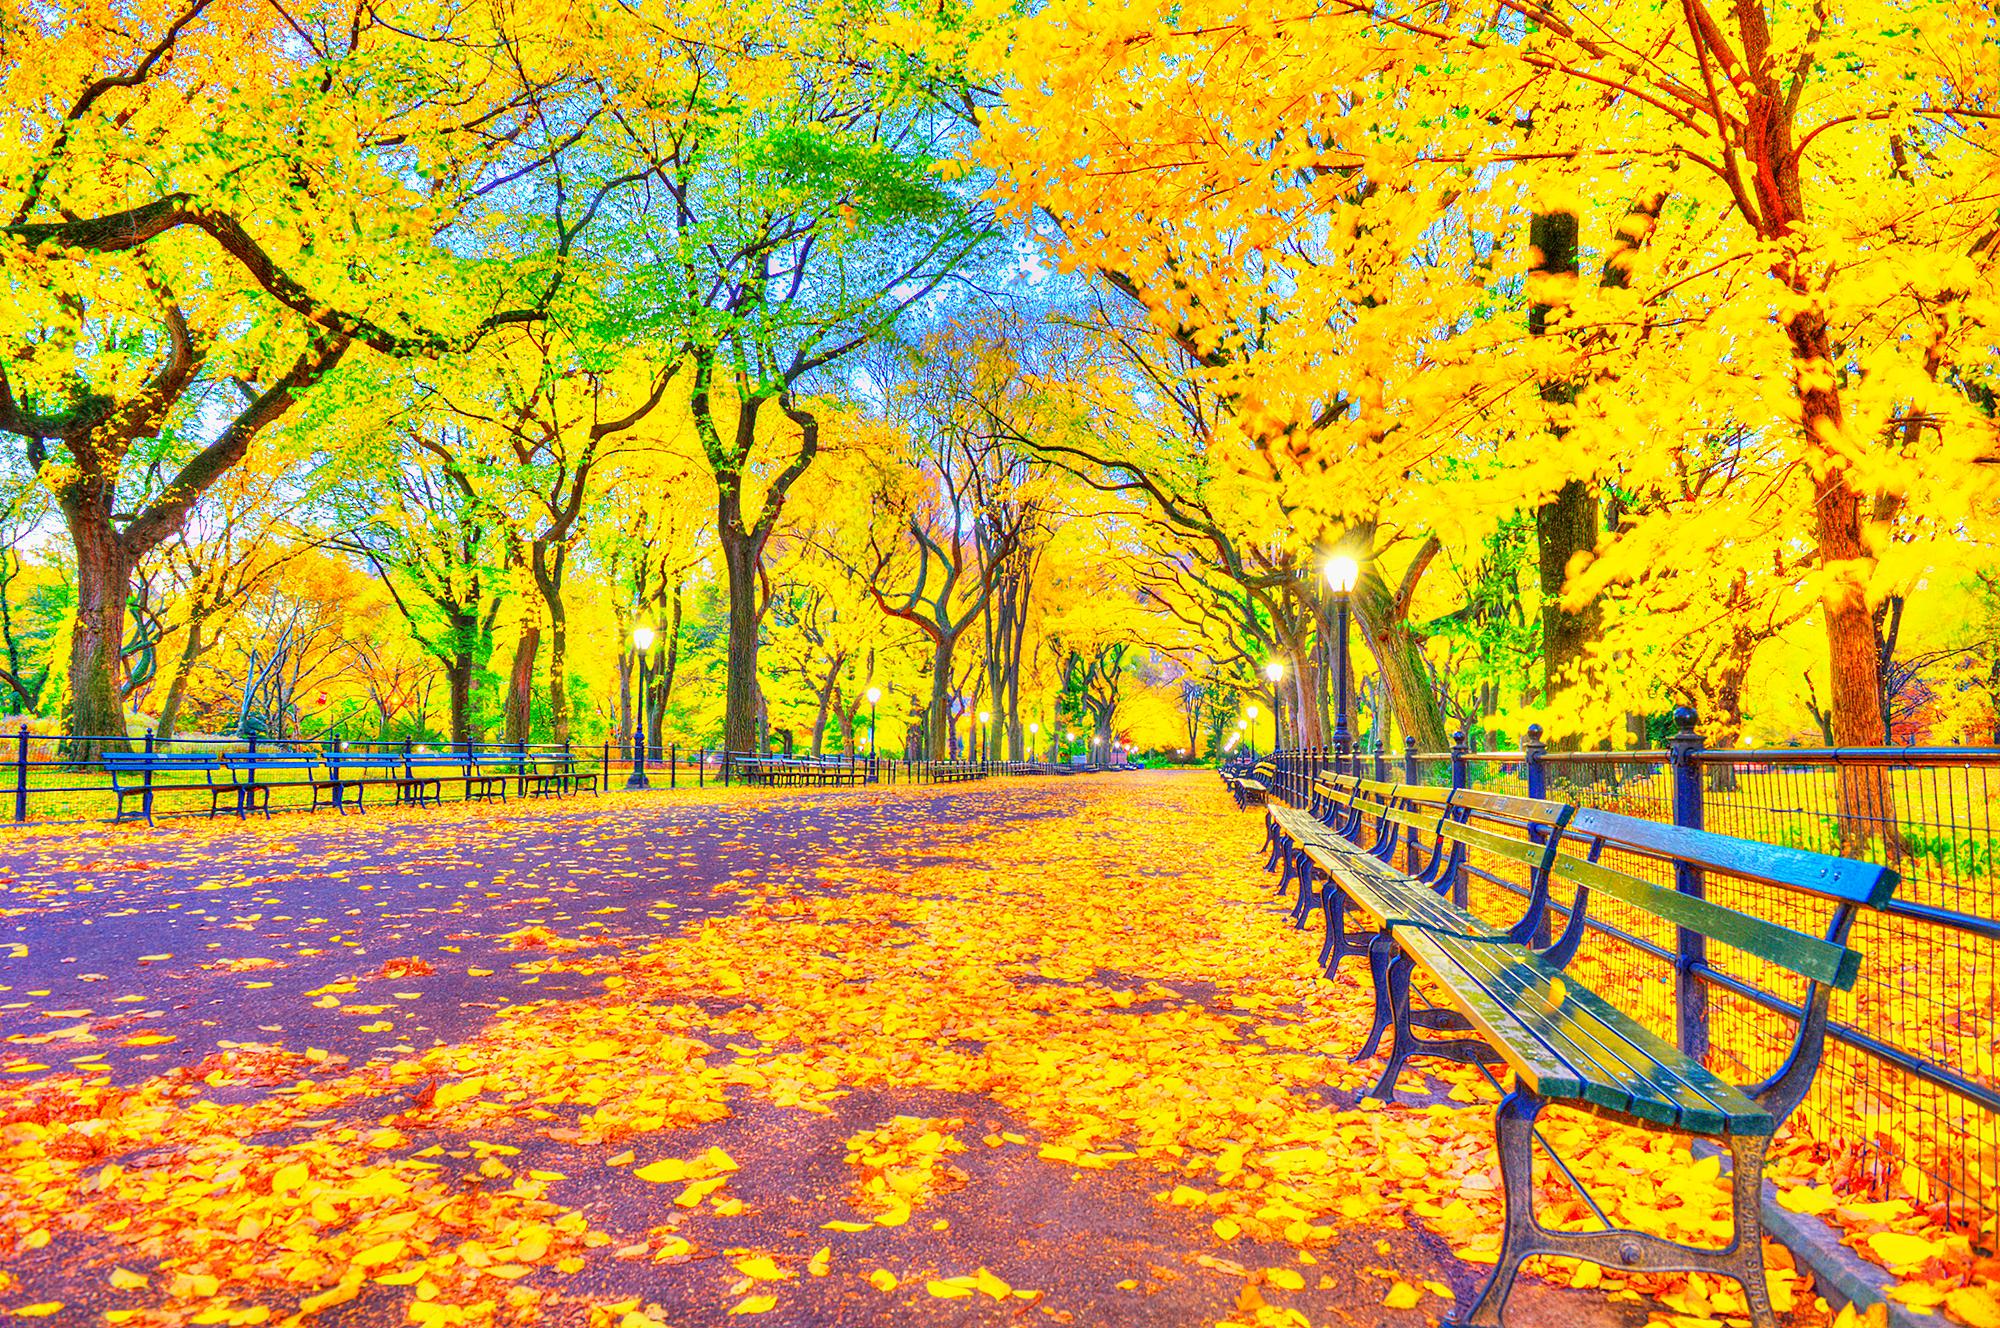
[{"x": 1033, "y": 1051}]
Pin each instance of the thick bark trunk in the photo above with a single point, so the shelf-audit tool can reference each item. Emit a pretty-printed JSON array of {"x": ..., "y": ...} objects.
[
  {"x": 521, "y": 685},
  {"x": 103, "y": 581},
  {"x": 938, "y": 716},
  {"x": 461, "y": 663},
  {"x": 1866, "y": 805},
  {"x": 741, "y": 554},
  {"x": 1399, "y": 660},
  {"x": 626, "y": 682},
  {"x": 1567, "y": 524},
  {"x": 1565, "y": 528},
  {"x": 819, "y": 716},
  {"x": 546, "y": 561}
]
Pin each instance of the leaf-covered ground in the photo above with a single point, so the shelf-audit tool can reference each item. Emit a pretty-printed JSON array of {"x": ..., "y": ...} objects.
[{"x": 1029, "y": 1051}]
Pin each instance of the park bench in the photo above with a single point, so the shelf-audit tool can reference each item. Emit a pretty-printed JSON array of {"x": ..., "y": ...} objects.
[
  {"x": 1567, "y": 1044},
  {"x": 1507, "y": 999},
  {"x": 551, "y": 774},
  {"x": 255, "y": 796},
  {"x": 808, "y": 771},
  {"x": 425, "y": 773},
  {"x": 142, "y": 767},
  {"x": 350, "y": 774},
  {"x": 1254, "y": 787}
]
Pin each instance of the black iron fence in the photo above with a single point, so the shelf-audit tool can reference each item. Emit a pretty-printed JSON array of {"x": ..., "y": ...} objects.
[
  {"x": 1907, "y": 1103},
  {"x": 61, "y": 777}
]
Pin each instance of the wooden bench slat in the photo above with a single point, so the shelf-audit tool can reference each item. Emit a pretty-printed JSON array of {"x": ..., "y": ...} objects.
[
  {"x": 1846, "y": 879},
  {"x": 1661, "y": 1083},
  {"x": 1514, "y": 808},
  {"x": 1499, "y": 845},
  {"x": 1808, "y": 956}
]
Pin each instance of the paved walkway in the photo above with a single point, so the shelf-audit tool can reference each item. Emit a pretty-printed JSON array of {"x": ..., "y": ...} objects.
[{"x": 1031, "y": 1051}]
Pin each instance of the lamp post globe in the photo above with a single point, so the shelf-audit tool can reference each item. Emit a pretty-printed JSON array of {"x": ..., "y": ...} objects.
[
  {"x": 642, "y": 641},
  {"x": 985, "y": 735}
]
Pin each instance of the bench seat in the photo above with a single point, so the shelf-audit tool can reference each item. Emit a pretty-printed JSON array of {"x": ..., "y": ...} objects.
[{"x": 1568, "y": 1044}]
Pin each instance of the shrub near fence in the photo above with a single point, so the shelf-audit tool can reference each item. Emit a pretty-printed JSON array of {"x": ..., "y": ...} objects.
[{"x": 1907, "y": 1101}]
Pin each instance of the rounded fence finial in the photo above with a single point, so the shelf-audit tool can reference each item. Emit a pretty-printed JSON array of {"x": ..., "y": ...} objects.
[
  {"x": 1458, "y": 738},
  {"x": 1685, "y": 718},
  {"x": 1534, "y": 733}
]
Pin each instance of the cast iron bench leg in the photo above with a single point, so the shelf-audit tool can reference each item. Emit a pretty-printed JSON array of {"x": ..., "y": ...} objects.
[
  {"x": 1405, "y": 1043},
  {"x": 1522, "y": 1237}
]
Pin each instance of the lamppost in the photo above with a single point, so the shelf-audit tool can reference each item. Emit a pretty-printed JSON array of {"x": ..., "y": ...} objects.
[
  {"x": 1034, "y": 740},
  {"x": 1341, "y": 574},
  {"x": 642, "y": 641},
  {"x": 985, "y": 735},
  {"x": 874, "y": 699},
  {"x": 1250, "y": 718},
  {"x": 1273, "y": 671}
]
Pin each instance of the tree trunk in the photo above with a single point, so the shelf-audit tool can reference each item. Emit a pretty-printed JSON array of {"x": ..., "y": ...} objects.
[
  {"x": 663, "y": 677},
  {"x": 546, "y": 561},
  {"x": 170, "y": 706},
  {"x": 103, "y": 582},
  {"x": 460, "y": 668},
  {"x": 825, "y": 701},
  {"x": 1866, "y": 806},
  {"x": 939, "y": 722},
  {"x": 741, "y": 553},
  {"x": 1565, "y": 528},
  {"x": 521, "y": 685},
  {"x": 1566, "y": 525}
]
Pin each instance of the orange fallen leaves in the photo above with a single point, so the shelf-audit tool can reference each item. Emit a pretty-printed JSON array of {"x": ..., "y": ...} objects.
[{"x": 1120, "y": 1017}]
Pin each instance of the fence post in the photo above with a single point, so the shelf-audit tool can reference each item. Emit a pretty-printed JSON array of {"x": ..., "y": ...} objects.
[
  {"x": 701, "y": 768},
  {"x": 146, "y": 798},
  {"x": 1410, "y": 760},
  {"x": 1381, "y": 762},
  {"x": 21, "y": 775},
  {"x": 1533, "y": 749},
  {"x": 1536, "y": 771},
  {"x": 1460, "y": 893},
  {"x": 1691, "y": 955},
  {"x": 673, "y": 761}
]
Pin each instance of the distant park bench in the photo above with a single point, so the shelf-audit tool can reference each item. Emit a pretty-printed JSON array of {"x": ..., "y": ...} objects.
[
  {"x": 1509, "y": 1000},
  {"x": 1251, "y": 787},
  {"x": 241, "y": 781},
  {"x": 137, "y": 775},
  {"x": 800, "y": 771}
]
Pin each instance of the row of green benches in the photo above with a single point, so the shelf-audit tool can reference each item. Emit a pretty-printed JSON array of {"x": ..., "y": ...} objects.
[
  {"x": 800, "y": 771},
  {"x": 339, "y": 779},
  {"x": 1251, "y": 787},
  {"x": 1379, "y": 861}
]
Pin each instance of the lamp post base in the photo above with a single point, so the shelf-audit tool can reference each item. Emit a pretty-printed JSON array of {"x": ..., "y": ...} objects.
[{"x": 637, "y": 780}]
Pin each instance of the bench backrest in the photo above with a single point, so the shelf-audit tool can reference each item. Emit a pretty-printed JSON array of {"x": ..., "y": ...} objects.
[
  {"x": 366, "y": 760},
  {"x": 1844, "y": 882},
  {"x": 1522, "y": 830},
  {"x": 156, "y": 761},
  {"x": 1333, "y": 793},
  {"x": 271, "y": 760}
]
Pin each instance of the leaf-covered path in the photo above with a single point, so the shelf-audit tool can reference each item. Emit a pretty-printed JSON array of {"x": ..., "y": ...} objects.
[{"x": 1030, "y": 1051}]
